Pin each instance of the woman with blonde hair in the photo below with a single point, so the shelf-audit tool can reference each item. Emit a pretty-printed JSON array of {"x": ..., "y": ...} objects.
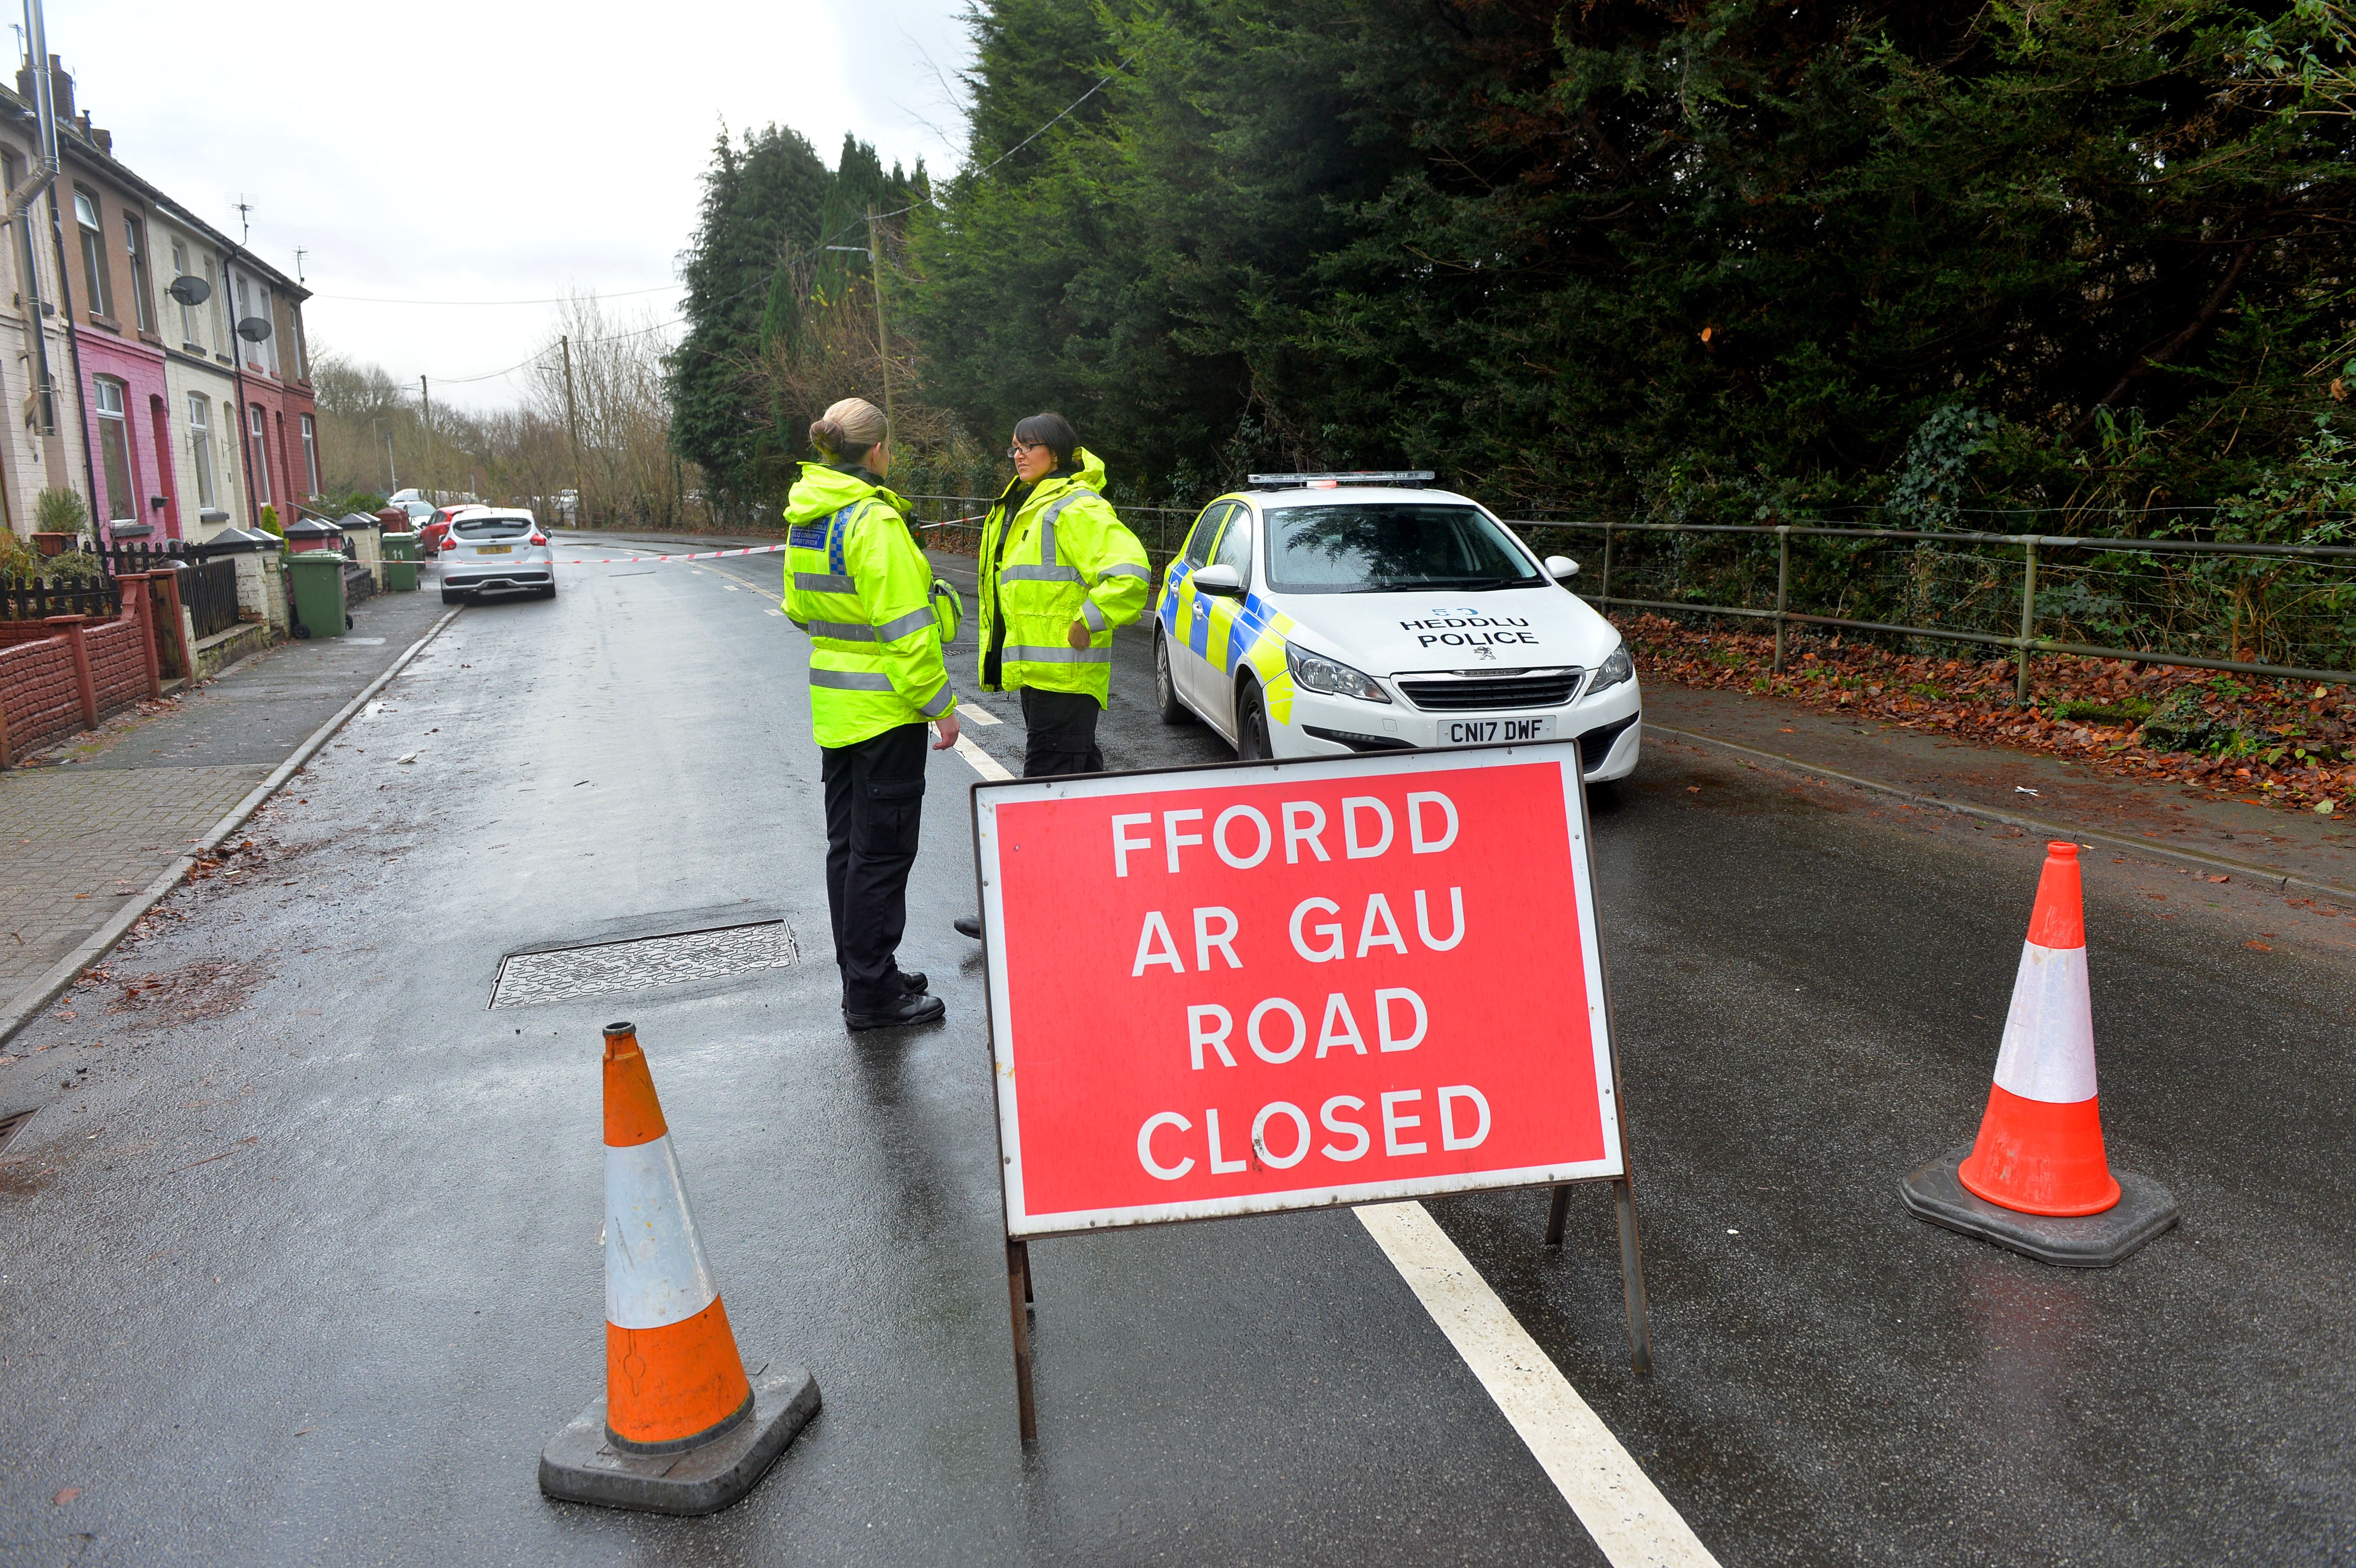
[{"x": 857, "y": 583}]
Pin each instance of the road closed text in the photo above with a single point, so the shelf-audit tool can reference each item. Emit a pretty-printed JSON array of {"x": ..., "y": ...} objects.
[{"x": 1287, "y": 986}]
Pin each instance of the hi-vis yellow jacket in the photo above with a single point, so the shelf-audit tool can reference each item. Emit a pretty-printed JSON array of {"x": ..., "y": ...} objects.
[
  {"x": 1064, "y": 556},
  {"x": 857, "y": 583}
]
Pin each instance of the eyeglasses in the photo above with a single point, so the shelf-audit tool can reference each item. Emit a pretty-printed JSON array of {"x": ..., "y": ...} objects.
[{"x": 1020, "y": 447}]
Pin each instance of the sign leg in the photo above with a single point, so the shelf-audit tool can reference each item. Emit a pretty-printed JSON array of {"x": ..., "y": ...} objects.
[
  {"x": 1027, "y": 1272},
  {"x": 1558, "y": 1213},
  {"x": 1631, "y": 1277},
  {"x": 1018, "y": 1281}
]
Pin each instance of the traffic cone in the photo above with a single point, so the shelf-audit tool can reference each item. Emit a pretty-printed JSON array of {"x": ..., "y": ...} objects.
[
  {"x": 682, "y": 1429},
  {"x": 2037, "y": 1179}
]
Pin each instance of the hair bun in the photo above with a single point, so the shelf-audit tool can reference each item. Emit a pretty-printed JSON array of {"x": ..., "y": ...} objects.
[{"x": 827, "y": 435}]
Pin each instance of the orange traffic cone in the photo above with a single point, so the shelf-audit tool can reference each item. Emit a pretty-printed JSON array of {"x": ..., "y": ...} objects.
[
  {"x": 2037, "y": 1180},
  {"x": 682, "y": 1429}
]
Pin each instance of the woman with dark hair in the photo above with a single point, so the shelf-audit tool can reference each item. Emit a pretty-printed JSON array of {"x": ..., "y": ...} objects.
[
  {"x": 1059, "y": 572},
  {"x": 857, "y": 583}
]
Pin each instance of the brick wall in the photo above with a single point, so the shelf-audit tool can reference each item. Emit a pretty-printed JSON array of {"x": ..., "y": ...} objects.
[
  {"x": 118, "y": 662},
  {"x": 36, "y": 687},
  {"x": 39, "y": 691}
]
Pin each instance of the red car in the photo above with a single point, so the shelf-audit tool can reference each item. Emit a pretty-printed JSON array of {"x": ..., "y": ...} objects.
[{"x": 433, "y": 536}]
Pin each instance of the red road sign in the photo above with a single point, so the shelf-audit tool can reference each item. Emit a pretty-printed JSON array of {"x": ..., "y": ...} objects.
[{"x": 1235, "y": 990}]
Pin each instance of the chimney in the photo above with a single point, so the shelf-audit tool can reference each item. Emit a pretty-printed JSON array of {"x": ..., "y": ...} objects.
[
  {"x": 105, "y": 139},
  {"x": 61, "y": 89}
]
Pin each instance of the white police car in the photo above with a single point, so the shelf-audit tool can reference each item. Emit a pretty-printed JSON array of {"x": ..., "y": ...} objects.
[{"x": 1318, "y": 614}]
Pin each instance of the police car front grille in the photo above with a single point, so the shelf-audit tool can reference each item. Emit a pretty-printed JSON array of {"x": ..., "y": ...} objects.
[{"x": 1482, "y": 693}]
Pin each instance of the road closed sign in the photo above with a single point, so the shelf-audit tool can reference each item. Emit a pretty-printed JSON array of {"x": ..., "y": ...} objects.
[{"x": 1237, "y": 990}]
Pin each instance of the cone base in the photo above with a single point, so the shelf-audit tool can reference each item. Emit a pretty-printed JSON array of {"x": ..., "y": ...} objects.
[
  {"x": 2145, "y": 1209},
  {"x": 580, "y": 1466}
]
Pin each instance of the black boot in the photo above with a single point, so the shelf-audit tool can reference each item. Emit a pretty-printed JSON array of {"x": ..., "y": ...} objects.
[
  {"x": 968, "y": 926},
  {"x": 909, "y": 1008}
]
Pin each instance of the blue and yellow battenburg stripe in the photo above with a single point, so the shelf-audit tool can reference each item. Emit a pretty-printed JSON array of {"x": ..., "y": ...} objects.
[{"x": 1231, "y": 634}]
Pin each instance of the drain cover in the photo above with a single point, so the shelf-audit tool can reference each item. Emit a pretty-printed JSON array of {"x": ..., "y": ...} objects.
[
  {"x": 565, "y": 973},
  {"x": 8, "y": 1125}
]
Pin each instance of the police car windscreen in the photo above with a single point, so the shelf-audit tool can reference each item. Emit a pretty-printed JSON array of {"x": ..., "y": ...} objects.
[
  {"x": 490, "y": 527},
  {"x": 1381, "y": 546}
]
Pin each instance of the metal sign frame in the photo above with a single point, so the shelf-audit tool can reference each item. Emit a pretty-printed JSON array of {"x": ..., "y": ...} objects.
[{"x": 1021, "y": 1227}]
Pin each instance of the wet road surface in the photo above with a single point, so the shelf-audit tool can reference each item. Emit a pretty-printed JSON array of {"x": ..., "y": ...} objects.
[{"x": 301, "y": 1263}]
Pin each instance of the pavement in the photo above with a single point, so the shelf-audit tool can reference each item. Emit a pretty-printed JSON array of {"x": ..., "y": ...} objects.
[
  {"x": 95, "y": 820},
  {"x": 299, "y": 1257}
]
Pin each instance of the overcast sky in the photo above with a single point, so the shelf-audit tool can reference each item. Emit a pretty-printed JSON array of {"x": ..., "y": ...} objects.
[{"x": 489, "y": 150}]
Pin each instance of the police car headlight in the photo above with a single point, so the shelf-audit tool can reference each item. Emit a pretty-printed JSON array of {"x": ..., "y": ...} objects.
[
  {"x": 1613, "y": 670},
  {"x": 1331, "y": 677}
]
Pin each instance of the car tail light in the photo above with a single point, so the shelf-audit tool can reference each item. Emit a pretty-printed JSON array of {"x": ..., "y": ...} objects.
[
  {"x": 539, "y": 538},
  {"x": 449, "y": 543}
]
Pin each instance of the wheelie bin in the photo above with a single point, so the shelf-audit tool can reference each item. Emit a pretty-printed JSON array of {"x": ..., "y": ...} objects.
[
  {"x": 314, "y": 581},
  {"x": 401, "y": 562}
]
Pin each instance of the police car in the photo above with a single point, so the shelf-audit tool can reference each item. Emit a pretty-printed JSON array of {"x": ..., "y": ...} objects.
[{"x": 1315, "y": 614}]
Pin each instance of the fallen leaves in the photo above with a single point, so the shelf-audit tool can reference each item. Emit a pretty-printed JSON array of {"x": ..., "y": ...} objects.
[{"x": 2290, "y": 745}]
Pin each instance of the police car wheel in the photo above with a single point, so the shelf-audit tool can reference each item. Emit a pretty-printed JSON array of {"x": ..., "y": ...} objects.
[
  {"x": 1251, "y": 725},
  {"x": 1165, "y": 688}
]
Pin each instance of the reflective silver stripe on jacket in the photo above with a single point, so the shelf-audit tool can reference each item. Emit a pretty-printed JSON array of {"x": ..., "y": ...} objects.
[
  {"x": 1092, "y": 616},
  {"x": 1125, "y": 568},
  {"x": 1047, "y": 526},
  {"x": 1040, "y": 574},
  {"x": 1058, "y": 655},
  {"x": 844, "y": 631},
  {"x": 819, "y": 582},
  {"x": 850, "y": 679},
  {"x": 913, "y": 621},
  {"x": 941, "y": 702}
]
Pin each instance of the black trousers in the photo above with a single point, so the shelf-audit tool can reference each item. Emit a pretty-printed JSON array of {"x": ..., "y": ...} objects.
[
  {"x": 1062, "y": 736},
  {"x": 875, "y": 804}
]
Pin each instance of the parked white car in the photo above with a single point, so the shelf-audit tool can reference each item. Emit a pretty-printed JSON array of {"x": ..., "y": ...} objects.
[
  {"x": 496, "y": 549},
  {"x": 1314, "y": 616}
]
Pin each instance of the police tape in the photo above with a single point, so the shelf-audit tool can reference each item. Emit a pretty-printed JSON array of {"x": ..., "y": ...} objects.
[{"x": 749, "y": 549}]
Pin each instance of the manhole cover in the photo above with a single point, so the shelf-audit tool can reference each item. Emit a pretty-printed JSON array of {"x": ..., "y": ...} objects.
[
  {"x": 8, "y": 1125},
  {"x": 564, "y": 973}
]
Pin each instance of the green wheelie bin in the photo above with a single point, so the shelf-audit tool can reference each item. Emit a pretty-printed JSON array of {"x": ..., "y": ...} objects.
[
  {"x": 314, "y": 581},
  {"x": 401, "y": 562}
]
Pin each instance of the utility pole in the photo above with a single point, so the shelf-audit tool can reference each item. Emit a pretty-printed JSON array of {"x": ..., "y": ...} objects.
[
  {"x": 425, "y": 401},
  {"x": 882, "y": 338},
  {"x": 572, "y": 432}
]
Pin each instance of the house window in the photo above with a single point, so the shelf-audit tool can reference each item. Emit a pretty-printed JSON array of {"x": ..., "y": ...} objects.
[
  {"x": 220, "y": 308},
  {"x": 200, "y": 447},
  {"x": 311, "y": 451},
  {"x": 115, "y": 451},
  {"x": 100, "y": 301},
  {"x": 143, "y": 280},
  {"x": 261, "y": 457},
  {"x": 188, "y": 338}
]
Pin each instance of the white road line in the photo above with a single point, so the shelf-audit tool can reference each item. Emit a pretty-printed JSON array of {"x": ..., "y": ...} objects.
[
  {"x": 980, "y": 760},
  {"x": 978, "y": 713},
  {"x": 1605, "y": 1488}
]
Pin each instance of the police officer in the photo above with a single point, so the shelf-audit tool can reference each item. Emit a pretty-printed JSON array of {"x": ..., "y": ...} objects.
[
  {"x": 1058, "y": 572},
  {"x": 857, "y": 583}
]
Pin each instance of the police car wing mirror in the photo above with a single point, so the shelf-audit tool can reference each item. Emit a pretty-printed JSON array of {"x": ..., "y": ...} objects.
[
  {"x": 1560, "y": 567},
  {"x": 1223, "y": 580}
]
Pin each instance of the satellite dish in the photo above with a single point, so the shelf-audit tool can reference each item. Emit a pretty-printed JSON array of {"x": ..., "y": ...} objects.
[
  {"x": 253, "y": 329},
  {"x": 190, "y": 289}
]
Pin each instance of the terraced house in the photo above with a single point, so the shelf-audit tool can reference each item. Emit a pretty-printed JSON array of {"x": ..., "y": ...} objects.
[{"x": 184, "y": 353}]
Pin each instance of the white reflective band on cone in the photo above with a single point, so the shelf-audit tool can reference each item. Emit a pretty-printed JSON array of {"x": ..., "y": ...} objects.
[
  {"x": 655, "y": 1270},
  {"x": 2048, "y": 1036}
]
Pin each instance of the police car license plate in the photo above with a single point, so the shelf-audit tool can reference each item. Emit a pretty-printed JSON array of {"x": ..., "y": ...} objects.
[
  {"x": 1489, "y": 731},
  {"x": 493, "y": 548}
]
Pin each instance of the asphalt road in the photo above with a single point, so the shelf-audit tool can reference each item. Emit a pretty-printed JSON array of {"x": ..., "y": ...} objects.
[{"x": 300, "y": 1264}]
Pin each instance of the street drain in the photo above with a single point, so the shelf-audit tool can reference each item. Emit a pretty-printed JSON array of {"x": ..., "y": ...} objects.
[
  {"x": 8, "y": 1126},
  {"x": 563, "y": 974}
]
